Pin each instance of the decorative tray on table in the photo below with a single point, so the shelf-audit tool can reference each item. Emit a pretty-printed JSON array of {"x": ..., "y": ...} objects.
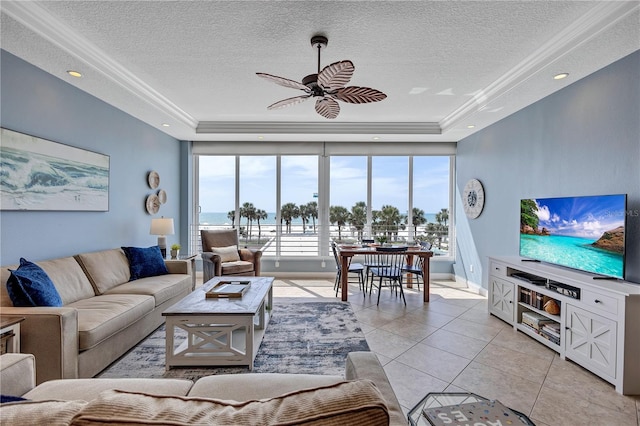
[{"x": 228, "y": 289}]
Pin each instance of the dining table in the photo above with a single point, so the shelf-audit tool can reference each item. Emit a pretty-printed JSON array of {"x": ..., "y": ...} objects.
[{"x": 347, "y": 252}]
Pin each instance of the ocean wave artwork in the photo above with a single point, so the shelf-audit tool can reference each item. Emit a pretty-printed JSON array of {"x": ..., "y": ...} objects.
[{"x": 37, "y": 174}]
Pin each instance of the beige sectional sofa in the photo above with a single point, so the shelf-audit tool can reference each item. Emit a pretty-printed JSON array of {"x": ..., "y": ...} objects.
[
  {"x": 103, "y": 313},
  {"x": 363, "y": 396}
]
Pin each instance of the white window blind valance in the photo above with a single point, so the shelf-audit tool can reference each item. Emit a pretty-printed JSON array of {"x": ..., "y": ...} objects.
[{"x": 323, "y": 148}]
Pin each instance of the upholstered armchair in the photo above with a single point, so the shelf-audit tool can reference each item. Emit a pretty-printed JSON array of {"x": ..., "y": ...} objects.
[{"x": 222, "y": 256}]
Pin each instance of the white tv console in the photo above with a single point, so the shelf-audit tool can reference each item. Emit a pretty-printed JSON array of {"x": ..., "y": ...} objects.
[{"x": 599, "y": 330}]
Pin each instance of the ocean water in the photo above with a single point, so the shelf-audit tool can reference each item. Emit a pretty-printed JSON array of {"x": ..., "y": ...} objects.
[
  {"x": 40, "y": 182},
  {"x": 220, "y": 218},
  {"x": 572, "y": 252}
]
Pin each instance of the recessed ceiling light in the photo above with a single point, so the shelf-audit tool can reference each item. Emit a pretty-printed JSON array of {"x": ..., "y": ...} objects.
[
  {"x": 260, "y": 137},
  {"x": 73, "y": 73},
  {"x": 376, "y": 138},
  {"x": 417, "y": 90},
  {"x": 471, "y": 126},
  {"x": 166, "y": 125},
  {"x": 561, "y": 76}
]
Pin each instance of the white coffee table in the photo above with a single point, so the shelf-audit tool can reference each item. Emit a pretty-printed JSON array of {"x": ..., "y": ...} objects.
[{"x": 220, "y": 332}]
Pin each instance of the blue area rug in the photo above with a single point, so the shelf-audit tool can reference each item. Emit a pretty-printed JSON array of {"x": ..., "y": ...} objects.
[{"x": 312, "y": 337}]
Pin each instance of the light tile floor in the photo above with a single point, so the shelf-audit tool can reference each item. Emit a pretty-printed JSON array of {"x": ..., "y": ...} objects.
[{"x": 453, "y": 344}]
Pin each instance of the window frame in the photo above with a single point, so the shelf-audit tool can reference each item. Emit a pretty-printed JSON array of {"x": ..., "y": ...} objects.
[{"x": 324, "y": 151}]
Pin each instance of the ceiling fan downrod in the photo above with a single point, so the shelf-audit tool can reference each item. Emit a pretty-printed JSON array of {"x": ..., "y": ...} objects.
[{"x": 319, "y": 42}]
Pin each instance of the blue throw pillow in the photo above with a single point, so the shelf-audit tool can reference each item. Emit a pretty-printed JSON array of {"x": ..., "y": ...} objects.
[
  {"x": 29, "y": 285},
  {"x": 145, "y": 262},
  {"x": 10, "y": 398}
]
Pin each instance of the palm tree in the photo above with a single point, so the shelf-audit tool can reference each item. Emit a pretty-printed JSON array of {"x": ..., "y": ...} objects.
[
  {"x": 359, "y": 217},
  {"x": 442, "y": 216},
  {"x": 389, "y": 220},
  {"x": 312, "y": 208},
  {"x": 232, "y": 217},
  {"x": 260, "y": 215},
  {"x": 248, "y": 210},
  {"x": 340, "y": 216},
  {"x": 432, "y": 232},
  {"x": 417, "y": 219},
  {"x": 376, "y": 228},
  {"x": 304, "y": 215},
  {"x": 288, "y": 212}
]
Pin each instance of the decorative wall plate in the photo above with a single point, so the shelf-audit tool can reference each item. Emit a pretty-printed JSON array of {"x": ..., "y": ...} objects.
[
  {"x": 153, "y": 179},
  {"x": 473, "y": 198},
  {"x": 162, "y": 196},
  {"x": 152, "y": 204}
]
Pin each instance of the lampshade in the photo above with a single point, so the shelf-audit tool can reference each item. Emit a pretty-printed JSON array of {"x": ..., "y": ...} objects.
[{"x": 162, "y": 226}]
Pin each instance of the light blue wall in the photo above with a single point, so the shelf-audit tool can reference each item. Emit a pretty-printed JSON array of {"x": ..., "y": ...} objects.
[
  {"x": 582, "y": 140},
  {"x": 39, "y": 104}
]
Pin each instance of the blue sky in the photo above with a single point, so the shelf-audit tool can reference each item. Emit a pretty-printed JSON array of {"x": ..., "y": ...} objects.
[
  {"x": 585, "y": 217},
  {"x": 300, "y": 181}
]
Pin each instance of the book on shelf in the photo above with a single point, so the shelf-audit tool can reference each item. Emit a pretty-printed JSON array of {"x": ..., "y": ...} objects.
[
  {"x": 535, "y": 319},
  {"x": 550, "y": 337},
  {"x": 473, "y": 413},
  {"x": 533, "y": 298},
  {"x": 552, "y": 328}
]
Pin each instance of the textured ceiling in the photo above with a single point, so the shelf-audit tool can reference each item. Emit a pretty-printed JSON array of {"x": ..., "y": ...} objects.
[{"x": 443, "y": 65}]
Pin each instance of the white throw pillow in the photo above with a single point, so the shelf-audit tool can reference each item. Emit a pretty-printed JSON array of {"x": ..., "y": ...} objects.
[{"x": 227, "y": 254}]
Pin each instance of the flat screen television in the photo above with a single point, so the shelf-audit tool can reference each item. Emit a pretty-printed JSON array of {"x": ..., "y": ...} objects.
[{"x": 584, "y": 233}]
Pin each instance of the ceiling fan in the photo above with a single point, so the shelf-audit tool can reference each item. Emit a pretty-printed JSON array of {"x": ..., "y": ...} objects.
[{"x": 327, "y": 85}]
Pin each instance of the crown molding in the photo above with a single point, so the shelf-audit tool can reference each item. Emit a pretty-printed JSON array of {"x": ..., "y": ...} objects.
[
  {"x": 47, "y": 26},
  {"x": 596, "y": 20},
  {"x": 292, "y": 127}
]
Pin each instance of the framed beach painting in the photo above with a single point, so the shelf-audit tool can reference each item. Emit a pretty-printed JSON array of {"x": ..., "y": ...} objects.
[{"x": 38, "y": 174}]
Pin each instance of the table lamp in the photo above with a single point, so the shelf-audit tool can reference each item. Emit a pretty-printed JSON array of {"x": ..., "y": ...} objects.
[{"x": 162, "y": 227}]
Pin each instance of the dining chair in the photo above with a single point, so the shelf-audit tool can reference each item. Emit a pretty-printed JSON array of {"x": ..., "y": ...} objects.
[
  {"x": 415, "y": 268},
  {"x": 390, "y": 272},
  {"x": 354, "y": 268},
  {"x": 371, "y": 260}
]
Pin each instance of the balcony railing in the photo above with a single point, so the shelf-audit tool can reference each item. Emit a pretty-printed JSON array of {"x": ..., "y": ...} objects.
[{"x": 278, "y": 241}]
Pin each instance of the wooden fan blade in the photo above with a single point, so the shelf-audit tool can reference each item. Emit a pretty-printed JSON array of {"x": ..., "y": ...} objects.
[
  {"x": 283, "y": 81},
  {"x": 359, "y": 95},
  {"x": 327, "y": 107},
  {"x": 336, "y": 75},
  {"x": 289, "y": 101}
]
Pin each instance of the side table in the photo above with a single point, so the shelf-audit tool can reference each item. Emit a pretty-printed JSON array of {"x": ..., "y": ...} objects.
[{"x": 10, "y": 334}]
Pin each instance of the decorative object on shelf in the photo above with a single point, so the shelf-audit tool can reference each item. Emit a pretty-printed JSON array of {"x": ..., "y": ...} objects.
[
  {"x": 153, "y": 179},
  {"x": 473, "y": 198},
  {"x": 38, "y": 174},
  {"x": 175, "y": 251},
  {"x": 551, "y": 307},
  {"x": 162, "y": 196},
  {"x": 162, "y": 227},
  {"x": 152, "y": 204},
  {"x": 327, "y": 86}
]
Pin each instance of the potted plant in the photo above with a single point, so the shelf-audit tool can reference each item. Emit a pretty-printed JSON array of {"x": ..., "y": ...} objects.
[{"x": 175, "y": 250}]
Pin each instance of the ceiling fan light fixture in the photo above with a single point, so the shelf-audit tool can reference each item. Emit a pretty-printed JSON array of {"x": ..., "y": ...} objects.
[{"x": 327, "y": 85}]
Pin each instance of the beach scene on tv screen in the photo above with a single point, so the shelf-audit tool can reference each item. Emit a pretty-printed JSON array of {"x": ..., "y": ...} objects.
[{"x": 585, "y": 233}]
